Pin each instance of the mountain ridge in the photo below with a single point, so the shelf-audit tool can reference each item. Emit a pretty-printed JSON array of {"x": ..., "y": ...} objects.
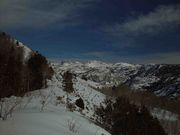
[{"x": 161, "y": 79}]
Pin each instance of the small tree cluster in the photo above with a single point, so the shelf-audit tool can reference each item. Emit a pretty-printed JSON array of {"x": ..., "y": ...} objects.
[
  {"x": 38, "y": 72},
  {"x": 68, "y": 82},
  {"x": 11, "y": 68},
  {"x": 121, "y": 117}
]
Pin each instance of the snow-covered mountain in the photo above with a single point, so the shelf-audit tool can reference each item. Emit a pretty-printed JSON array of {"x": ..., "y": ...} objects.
[
  {"x": 45, "y": 111},
  {"x": 43, "y": 108},
  {"x": 162, "y": 79}
]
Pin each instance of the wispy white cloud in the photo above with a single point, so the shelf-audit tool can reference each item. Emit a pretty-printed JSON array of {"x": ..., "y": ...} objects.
[
  {"x": 40, "y": 13},
  {"x": 165, "y": 58},
  {"x": 156, "y": 58},
  {"x": 163, "y": 18},
  {"x": 99, "y": 54}
]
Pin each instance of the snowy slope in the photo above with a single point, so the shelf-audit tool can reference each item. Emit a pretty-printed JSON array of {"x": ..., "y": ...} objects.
[
  {"x": 32, "y": 118},
  {"x": 27, "y": 52},
  {"x": 33, "y": 122},
  {"x": 44, "y": 112}
]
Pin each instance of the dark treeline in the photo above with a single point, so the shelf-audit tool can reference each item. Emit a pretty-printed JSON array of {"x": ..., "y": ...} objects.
[
  {"x": 120, "y": 117},
  {"x": 16, "y": 75}
]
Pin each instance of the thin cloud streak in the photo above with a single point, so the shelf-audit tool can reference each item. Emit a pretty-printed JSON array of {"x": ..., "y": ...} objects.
[
  {"x": 157, "y": 58},
  {"x": 162, "y": 19},
  {"x": 41, "y": 13}
]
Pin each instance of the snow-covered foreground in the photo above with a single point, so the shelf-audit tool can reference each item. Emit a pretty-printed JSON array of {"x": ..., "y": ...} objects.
[
  {"x": 44, "y": 112},
  {"x": 41, "y": 112},
  {"x": 57, "y": 122}
]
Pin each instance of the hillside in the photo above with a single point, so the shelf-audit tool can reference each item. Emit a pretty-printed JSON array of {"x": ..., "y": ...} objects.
[
  {"x": 33, "y": 99},
  {"x": 161, "y": 79},
  {"x": 52, "y": 110},
  {"x": 45, "y": 111},
  {"x": 21, "y": 69}
]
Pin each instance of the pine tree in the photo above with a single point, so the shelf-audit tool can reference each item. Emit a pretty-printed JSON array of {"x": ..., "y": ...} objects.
[{"x": 68, "y": 82}]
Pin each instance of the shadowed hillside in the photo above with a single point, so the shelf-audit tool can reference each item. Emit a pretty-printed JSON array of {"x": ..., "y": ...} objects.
[{"x": 21, "y": 69}]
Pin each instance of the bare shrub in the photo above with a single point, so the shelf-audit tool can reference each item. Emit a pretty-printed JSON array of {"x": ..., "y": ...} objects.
[
  {"x": 59, "y": 100},
  {"x": 7, "y": 106},
  {"x": 73, "y": 125},
  {"x": 71, "y": 107},
  {"x": 45, "y": 99},
  {"x": 29, "y": 98}
]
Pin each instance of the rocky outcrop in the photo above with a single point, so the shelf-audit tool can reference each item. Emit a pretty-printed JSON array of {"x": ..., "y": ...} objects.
[{"x": 168, "y": 83}]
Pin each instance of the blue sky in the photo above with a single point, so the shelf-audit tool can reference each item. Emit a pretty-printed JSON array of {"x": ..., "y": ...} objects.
[{"x": 141, "y": 31}]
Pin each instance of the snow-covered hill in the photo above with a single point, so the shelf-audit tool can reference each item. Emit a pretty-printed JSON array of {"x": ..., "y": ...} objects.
[
  {"x": 162, "y": 79},
  {"x": 44, "y": 111},
  {"x": 27, "y": 52}
]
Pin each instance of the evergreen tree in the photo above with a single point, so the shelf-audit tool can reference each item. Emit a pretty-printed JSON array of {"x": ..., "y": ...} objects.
[{"x": 68, "y": 82}]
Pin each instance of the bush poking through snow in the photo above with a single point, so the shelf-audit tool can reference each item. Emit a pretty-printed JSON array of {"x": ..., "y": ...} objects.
[
  {"x": 71, "y": 107},
  {"x": 121, "y": 117},
  {"x": 73, "y": 126},
  {"x": 45, "y": 99},
  {"x": 59, "y": 100},
  {"x": 7, "y": 106}
]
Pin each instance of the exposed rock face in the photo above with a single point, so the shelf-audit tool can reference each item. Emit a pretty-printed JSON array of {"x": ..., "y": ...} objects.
[
  {"x": 168, "y": 83},
  {"x": 21, "y": 69},
  {"x": 162, "y": 79},
  {"x": 80, "y": 103}
]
